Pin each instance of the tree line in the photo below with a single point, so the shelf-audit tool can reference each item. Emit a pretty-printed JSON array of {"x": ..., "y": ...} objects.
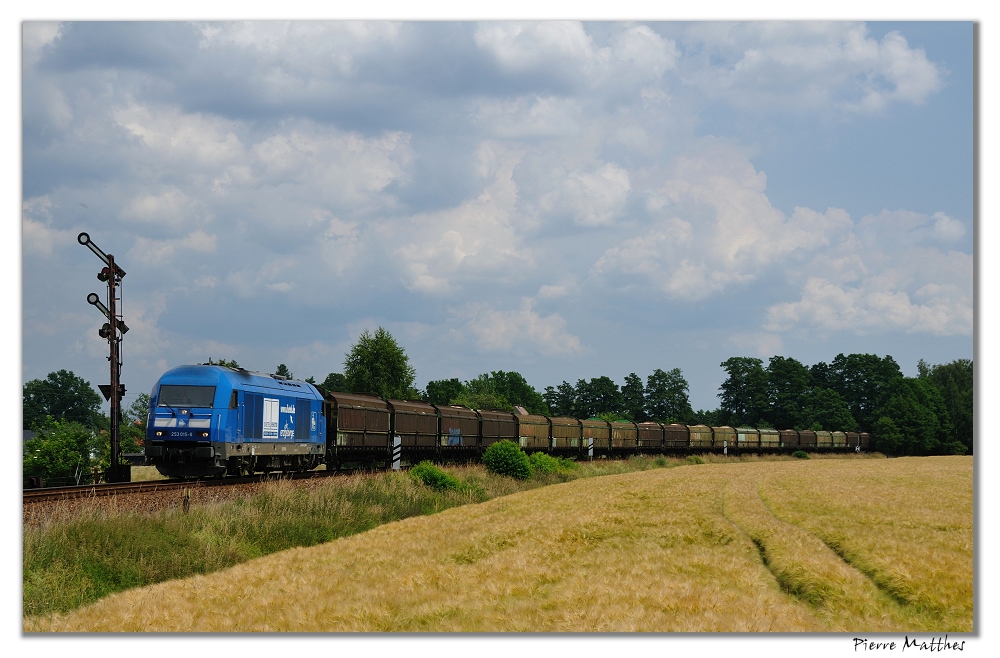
[
  {"x": 924, "y": 415},
  {"x": 928, "y": 414}
]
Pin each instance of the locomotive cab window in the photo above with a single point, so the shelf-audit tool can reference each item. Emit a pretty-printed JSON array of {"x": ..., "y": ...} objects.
[{"x": 186, "y": 396}]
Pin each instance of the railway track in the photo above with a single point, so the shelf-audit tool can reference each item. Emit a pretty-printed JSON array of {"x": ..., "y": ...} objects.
[{"x": 155, "y": 486}]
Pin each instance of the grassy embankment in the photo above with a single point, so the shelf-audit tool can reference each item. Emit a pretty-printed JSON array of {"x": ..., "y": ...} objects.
[
  {"x": 83, "y": 554},
  {"x": 818, "y": 545}
]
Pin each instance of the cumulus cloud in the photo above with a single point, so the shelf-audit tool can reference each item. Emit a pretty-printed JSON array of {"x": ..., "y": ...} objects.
[
  {"x": 807, "y": 66},
  {"x": 37, "y": 235},
  {"x": 440, "y": 251},
  {"x": 714, "y": 227},
  {"x": 643, "y": 50},
  {"x": 35, "y": 36},
  {"x": 897, "y": 271},
  {"x": 526, "y": 46},
  {"x": 896, "y": 230},
  {"x": 196, "y": 139},
  {"x": 496, "y": 330},
  {"x": 529, "y": 117},
  {"x": 591, "y": 198},
  {"x": 565, "y": 56},
  {"x": 876, "y": 305},
  {"x": 162, "y": 251}
]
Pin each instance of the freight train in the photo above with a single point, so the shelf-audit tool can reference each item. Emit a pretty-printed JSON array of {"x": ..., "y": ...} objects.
[{"x": 210, "y": 420}]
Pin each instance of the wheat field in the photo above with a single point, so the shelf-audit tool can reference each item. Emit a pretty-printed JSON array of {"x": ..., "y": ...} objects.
[{"x": 814, "y": 545}]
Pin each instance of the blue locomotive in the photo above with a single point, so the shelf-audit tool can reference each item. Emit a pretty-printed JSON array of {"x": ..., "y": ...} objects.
[{"x": 214, "y": 420}]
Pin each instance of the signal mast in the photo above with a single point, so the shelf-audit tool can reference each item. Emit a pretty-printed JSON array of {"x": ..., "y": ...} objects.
[{"x": 113, "y": 330}]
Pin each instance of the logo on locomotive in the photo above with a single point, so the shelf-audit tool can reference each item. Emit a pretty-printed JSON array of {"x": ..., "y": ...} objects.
[{"x": 277, "y": 415}]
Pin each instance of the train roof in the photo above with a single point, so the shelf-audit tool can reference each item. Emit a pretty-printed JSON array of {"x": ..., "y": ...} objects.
[{"x": 237, "y": 378}]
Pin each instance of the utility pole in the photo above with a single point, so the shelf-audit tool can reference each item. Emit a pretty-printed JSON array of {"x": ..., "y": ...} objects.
[{"x": 112, "y": 274}]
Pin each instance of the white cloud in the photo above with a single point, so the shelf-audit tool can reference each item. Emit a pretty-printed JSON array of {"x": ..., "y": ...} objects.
[
  {"x": 807, "y": 66},
  {"x": 171, "y": 207},
  {"x": 908, "y": 74},
  {"x": 331, "y": 166},
  {"x": 37, "y": 235},
  {"x": 643, "y": 50},
  {"x": 592, "y": 198},
  {"x": 292, "y": 55},
  {"x": 35, "y": 36},
  {"x": 442, "y": 250},
  {"x": 876, "y": 305},
  {"x": 714, "y": 228},
  {"x": 161, "y": 252},
  {"x": 896, "y": 230},
  {"x": 197, "y": 139},
  {"x": 326, "y": 164},
  {"x": 563, "y": 50},
  {"x": 525, "y": 46},
  {"x": 947, "y": 229},
  {"x": 528, "y": 117},
  {"x": 505, "y": 331}
]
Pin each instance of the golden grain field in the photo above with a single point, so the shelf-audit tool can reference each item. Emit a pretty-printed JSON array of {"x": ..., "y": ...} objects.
[{"x": 814, "y": 545}]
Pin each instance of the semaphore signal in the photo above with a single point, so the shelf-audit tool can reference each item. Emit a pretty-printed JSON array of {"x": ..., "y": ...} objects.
[{"x": 112, "y": 331}]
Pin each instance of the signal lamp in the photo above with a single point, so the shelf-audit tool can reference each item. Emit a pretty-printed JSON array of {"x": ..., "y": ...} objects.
[
  {"x": 104, "y": 331},
  {"x": 104, "y": 274}
]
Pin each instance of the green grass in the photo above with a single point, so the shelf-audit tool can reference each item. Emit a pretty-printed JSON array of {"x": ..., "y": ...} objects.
[{"x": 69, "y": 564}]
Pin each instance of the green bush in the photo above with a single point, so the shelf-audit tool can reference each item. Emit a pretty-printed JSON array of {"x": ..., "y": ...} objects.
[
  {"x": 506, "y": 458},
  {"x": 434, "y": 477},
  {"x": 695, "y": 459},
  {"x": 799, "y": 454},
  {"x": 543, "y": 463},
  {"x": 955, "y": 448}
]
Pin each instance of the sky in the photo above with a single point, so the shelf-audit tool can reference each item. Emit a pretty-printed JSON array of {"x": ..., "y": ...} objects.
[{"x": 563, "y": 199}]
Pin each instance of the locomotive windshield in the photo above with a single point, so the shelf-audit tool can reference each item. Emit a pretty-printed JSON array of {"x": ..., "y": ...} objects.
[{"x": 186, "y": 396}]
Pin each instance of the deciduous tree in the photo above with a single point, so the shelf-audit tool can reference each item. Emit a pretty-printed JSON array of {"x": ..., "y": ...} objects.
[
  {"x": 377, "y": 364},
  {"x": 788, "y": 383},
  {"x": 335, "y": 382},
  {"x": 62, "y": 395},
  {"x": 955, "y": 383},
  {"x": 864, "y": 381},
  {"x": 634, "y": 399},
  {"x": 743, "y": 396},
  {"x": 561, "y": 400},
  {"x": 443, "y": 391},
  {"x": 667, "y": 397}
]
